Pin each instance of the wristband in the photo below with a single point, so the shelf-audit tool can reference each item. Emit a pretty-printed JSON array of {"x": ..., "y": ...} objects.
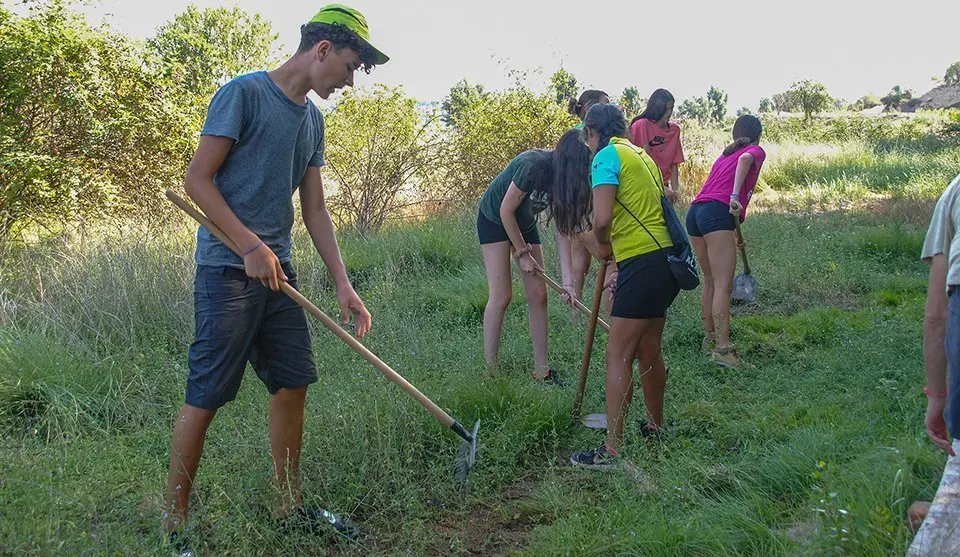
[
  {"x": 253, "y": 249},
  {"x": 927, "y": 392},
  {"x": 521, "y": 252},
  {"x": 735, "y": 196}
]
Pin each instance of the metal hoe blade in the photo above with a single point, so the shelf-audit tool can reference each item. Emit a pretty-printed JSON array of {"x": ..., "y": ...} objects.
[{"x": 467, "y": 456}]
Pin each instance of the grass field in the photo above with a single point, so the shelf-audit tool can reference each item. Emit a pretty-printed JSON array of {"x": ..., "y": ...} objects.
[{"x": 816, "y": 448}]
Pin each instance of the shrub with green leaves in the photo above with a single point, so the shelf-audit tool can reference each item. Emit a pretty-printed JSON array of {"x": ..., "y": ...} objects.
[
  {"x": 494, "y": 128},
  {"x": 95, "y": 125},
  {"x": 84, "y": 128},
  {"x": 382, "y": 155}
]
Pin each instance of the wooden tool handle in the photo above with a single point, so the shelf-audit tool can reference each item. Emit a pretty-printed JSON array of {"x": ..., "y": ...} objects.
[
  {"x": 743, "y": 249},
  {"x": 591, "y": 333},
  {"x": 329, "y": 323},
  {"x": 576, "y": 303}
]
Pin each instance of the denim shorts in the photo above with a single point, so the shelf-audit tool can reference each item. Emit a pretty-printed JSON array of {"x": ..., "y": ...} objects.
[
  {"x": 238, "y": 319},
  {"x": 710, "y": 216},
  {"x": 951, "y": 414}
]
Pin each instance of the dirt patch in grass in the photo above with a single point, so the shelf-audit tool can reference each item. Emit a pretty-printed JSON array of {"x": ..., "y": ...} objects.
[{"x": 496, "y": 528}]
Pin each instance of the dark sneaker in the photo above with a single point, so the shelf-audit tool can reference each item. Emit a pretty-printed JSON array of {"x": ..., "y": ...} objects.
[
  {"x": 594, "y": 459},
  {"x": 180, "y": 545},
  {"x": 314, "y": 520},
  {"x": 554, "y": 379},
  {"x": 650, "y": 432}
]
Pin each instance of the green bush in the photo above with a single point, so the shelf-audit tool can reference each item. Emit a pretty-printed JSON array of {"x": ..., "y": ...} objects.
[
  {"x": 494, "y": 128},
  {"x": 382, "y": 156},
  {"x": 94, "y": 124},
  {"x": 849, "y": 128},
  {"x": 85, "y": 129}
]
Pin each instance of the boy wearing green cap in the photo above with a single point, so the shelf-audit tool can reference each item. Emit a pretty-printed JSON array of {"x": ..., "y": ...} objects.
[{"x": 262, "y": 140}]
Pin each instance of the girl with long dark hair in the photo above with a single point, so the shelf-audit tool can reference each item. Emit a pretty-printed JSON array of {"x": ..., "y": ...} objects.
[{"x": 552, "y": 181}]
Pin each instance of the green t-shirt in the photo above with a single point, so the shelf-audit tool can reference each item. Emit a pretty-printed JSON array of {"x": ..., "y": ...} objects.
[{"x": 520, "y": 172}]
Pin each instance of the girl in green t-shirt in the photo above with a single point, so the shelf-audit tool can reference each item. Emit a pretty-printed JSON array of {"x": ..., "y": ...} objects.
[{"x": 555, "y": 181}]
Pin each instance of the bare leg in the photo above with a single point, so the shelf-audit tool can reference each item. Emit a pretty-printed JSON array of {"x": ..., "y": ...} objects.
[
  {"x": 622, "y": 347},
  {"x": 189, "y": 433},
  {"x": 536, "y": 293},
  {"x": 580, "y": 260},
  {"x": 706, "y": 296},
  {"x": 286, "y": 437},
  {"x": 496, "y": 262},
  {"x": 653, "y": 372},
  {"x": 722, "y": 254}
]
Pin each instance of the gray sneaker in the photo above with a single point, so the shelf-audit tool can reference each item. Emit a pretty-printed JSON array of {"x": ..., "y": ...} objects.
[{"x": 595, "y": 459}]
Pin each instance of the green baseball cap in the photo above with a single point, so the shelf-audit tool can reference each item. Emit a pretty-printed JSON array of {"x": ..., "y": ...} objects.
[{"x": 338, "y": 14}]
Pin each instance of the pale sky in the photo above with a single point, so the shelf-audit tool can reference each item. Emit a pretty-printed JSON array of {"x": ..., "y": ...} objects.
[{"x": 750, "y": 48}]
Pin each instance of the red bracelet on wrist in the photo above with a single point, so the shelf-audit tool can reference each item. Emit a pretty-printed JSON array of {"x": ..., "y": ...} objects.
[{"x": 927, "y": 392}]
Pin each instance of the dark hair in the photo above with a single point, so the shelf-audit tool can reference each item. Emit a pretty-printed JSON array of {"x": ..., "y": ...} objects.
[
  {"x": 571, "y": 200},
  {"x": 607, "y": 121},
  {"x": 340, "y": 36},
  {"x": 656, "y": 106},
  {"x": 746, "y": 130},
  {"x": 588, "y": 98}
]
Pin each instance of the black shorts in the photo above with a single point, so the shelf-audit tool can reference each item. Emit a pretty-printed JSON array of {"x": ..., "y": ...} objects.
[
  {"x": 238, "y": 319},
  {"x": 645, "y": 287},
  {"x": 491, "y": 232},
  {"x": 707, "y": 217}
]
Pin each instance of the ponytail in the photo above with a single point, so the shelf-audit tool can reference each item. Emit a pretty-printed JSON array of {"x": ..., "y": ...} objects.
[
  {"x": 738, "y": 143},
  {"x": 746, "y": 130},
  {"x": 590, "y": 97},
  {"x": 607, "y": 122}
]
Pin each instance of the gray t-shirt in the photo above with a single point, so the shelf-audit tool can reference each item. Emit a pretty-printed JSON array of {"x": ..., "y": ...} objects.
[
  {"x": 941, "y": 234},
  {"x": 276, "y": 140}
]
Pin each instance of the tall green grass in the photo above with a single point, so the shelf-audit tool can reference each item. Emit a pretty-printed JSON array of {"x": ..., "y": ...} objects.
[{"x": 809, "y": 450}]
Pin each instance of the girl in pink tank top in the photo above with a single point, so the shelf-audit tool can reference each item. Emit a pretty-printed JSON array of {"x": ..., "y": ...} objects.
[{"x": 711, "y": 227}]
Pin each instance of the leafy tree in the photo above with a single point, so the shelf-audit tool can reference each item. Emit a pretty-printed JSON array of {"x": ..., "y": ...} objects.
[
  {"x": 630, "y": 102},
  {"x": 710, "y": 110},
  {"x": 86, "y": 129},
  {"x": 952, "y": 75},
  {"x": 766, "y": 105},
  {"x": 461, "y": 95},
  {"x": 564, "y": 85},
  {"x": 697, "y": 108},
  {"x": 380, "y": 152},
  {"x": 785, "y": 102},
  {"x": 717, "y": 99},
  {"x": 810, "y": 97},
  {"x": 494, "y": 129},
  {"x": 743, "y": 111},
  {"x": 201, "y": 49},
  {"x": 896, "y": 97}
]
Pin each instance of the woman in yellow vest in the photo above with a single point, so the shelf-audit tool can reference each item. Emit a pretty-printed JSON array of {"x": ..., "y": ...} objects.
[{"x": 629, "y": 226}]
